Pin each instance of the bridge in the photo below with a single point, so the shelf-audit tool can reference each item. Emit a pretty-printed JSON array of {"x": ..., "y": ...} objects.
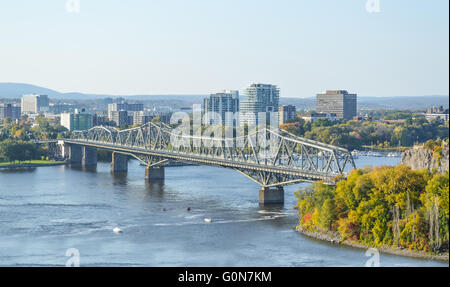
[{"x": 272, "y": 159}]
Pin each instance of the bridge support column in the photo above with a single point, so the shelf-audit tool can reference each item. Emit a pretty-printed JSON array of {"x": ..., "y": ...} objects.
[
  {"x": 271, "y": 195},
  {"x": 154, "y": 173},
  {"x": 65, "y": 149},
  {"x": 75, "y": 154},
  {"x": 89, "y": 156},
  {"x": 119, "y": 162}
]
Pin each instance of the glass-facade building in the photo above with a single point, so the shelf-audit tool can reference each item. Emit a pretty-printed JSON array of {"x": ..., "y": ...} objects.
[{"x": 77, "y": 121}]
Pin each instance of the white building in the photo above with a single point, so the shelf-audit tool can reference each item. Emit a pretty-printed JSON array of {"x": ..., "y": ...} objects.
[
  {"x": 33, "y": 104},
  {"x": 67, "y": 120},
  {"x": 442, "y": 117},
  {"x": 315, "y": 116}
]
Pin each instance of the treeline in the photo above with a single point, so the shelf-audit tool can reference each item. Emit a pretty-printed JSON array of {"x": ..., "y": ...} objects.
[
  {"x": 392, "y": 206},
  {"x": 356, "y": 134},
  {"x": 25, "y": 130},
  {"x": 18, "y": 150}
]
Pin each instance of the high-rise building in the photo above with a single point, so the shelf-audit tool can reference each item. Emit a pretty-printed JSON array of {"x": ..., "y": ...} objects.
[
  {"x": 98, "y": 120},
  {"x": 338, "y": 102},
  {"x": 141, "y": 118},
  {"x": 124, "y": 106},
  {"x": 286, "y": 114},
  {"x": 120, "y": 118},
  {"x": 77, "y": 121},
  {"x": 258, "y": 98},
  {"x": 9, "y": 111},
  {"x": 218, "y": 105},
  {"x": 34, "y": 104}
]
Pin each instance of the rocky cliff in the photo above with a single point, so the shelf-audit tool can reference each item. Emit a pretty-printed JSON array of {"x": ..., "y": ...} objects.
[{"x": 423, "y": 158}]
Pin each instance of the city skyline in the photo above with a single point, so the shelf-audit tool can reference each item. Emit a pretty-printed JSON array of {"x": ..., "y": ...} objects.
[{"x": 396, "y": 52}]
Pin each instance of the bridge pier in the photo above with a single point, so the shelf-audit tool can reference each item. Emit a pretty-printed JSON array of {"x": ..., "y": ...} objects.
[
  {"x": 65, "y": 149},
  {"x": 119, "y": 162},
  {"x": 271, "y": 195},
  {"x": 154, "y": 173},
  {"x": 75, "y": 155},
  {"x": 89, "y": 156}
]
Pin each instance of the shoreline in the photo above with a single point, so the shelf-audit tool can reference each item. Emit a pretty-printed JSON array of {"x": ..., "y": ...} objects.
[
  {"x": 31, "y": 165},
  {"x": 334, "y": 238}
]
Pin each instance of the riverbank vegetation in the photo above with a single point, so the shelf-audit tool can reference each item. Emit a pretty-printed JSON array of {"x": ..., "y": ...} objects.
[
  {"x": 384, "y": 206},
  {"x": 12, "y": 151},
  {"x": 381, "y": 134},
  {"x": 26, "y": 130},
  {"x": 436, "y": 146}
]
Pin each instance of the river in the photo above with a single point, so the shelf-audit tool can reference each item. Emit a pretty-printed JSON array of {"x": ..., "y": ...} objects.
[{"x": 47, "y": 210}]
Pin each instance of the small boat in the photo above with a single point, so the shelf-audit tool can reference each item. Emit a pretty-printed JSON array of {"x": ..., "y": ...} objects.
[
  {"x": 208, "y": 220},
  {"x": 117, "y": 230},
  {"x": 394, "y": 154}
]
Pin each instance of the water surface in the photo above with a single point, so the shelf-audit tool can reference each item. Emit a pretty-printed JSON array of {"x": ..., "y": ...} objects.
[{"x": 47, "y": 210}]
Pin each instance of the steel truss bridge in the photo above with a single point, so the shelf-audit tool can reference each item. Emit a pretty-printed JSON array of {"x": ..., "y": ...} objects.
[{"x": 269, "y": 158}]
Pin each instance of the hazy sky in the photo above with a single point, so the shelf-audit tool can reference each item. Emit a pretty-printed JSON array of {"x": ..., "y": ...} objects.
[{"x": 203, "y": 46}]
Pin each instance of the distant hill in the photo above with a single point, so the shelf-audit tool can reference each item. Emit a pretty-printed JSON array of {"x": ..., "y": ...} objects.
[
  {"x": 421, "y": 102},
  {"x": 16, "y": 90},
  {"x": 367, "y": 103}
]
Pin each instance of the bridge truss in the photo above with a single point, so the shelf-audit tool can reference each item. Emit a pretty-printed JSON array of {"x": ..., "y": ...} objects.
[{"x": 270, "y": 158}]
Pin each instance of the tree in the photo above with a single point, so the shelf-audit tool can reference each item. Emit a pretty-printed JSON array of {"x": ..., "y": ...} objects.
[{"x": 327, "y": 214}]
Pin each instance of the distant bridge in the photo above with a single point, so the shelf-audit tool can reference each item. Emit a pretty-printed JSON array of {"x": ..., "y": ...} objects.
[{"x": 270, "y": 158}]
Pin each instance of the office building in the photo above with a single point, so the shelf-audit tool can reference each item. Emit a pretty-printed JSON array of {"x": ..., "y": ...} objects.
[
  {"x": 33, "y": 104},
  {"x": 338, "y": 102},
  {"x": 77, "y": 121},
  {"x": 124, "y": 106},
  {"x": 439, "y": 113},
  {"x": 286, "y": 114},
  {"x": 9, "y": 111},
  {"x": 436, "y": 110},
  {"x": 218, "y": 105},
  {"x": 120, "y": 118},
  {"x": 99, "y": 120},
  {"x": 141, "y": 118},
  {"x": 258, "y": 98}
]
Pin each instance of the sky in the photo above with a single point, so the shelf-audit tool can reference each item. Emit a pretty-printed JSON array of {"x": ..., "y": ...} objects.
[{"x": 203, "y": 46}]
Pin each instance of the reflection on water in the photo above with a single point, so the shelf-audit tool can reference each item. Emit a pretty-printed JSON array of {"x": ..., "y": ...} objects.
[
  {"x": 45, "y": 211},
  {"x": 154, "y": 188}
]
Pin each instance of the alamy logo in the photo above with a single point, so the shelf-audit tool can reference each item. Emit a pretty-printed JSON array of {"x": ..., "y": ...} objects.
[
  {"x": 373, "y": 6},
  {"x": 374, "y": 260},
  {"x": 73, "y": 6},
  {"x": 74, "y": 260}
]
